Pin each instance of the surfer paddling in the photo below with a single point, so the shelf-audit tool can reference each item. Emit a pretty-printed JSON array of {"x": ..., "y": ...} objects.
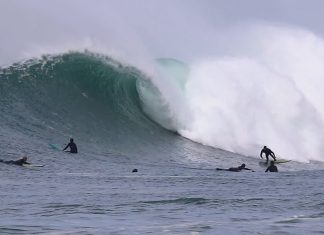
[
  {"x": 268, "y": 152},
  {"x": 72, "y": 146},
  {"x": 20, "y": 162},
  {"x": 235, "y": 169}
]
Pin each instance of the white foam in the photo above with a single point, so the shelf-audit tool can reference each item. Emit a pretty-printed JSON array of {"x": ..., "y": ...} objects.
[{"x": 272, "y": 96}]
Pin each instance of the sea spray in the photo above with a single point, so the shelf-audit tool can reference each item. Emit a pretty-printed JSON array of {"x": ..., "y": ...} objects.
[{"x": 269, "y": 96}]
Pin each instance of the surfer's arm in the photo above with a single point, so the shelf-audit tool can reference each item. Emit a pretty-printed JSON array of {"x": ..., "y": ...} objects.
[
  {"x": 248, "y": 169},
  {"x": 267, "y": 169},
  {"x": 261, "y": 154},
  {"x": 66, "y": 147},
  {"x": 28, "y": 163}
]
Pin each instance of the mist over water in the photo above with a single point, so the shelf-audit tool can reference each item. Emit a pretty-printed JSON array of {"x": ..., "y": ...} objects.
[{"x": 250, "y": 84}]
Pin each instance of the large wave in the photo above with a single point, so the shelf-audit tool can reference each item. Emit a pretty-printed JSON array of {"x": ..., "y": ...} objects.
[
  {"x": 240, "y": 86},
  {"x": 82, "y": 94},
  {"x": 237, "y": 103}
]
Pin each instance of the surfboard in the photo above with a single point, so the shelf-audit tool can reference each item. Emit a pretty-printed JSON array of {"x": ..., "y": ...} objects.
[
  {"x": 279, "y": 161},
  {"x": 53, "y": 146},
  {"x": 32, "y": 165}
]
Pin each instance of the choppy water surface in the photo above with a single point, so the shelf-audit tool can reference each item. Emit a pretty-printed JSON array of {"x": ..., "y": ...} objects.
[{"x": 85, "y": 196}]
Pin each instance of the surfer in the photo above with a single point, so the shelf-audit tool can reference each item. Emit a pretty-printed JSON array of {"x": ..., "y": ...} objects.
[
  {"x": 235, "y": 169},
  {"x": 272, "y": 167},
  {"x": 268, "y": 152},
  {"x": 18, "y": 162},
  {"x": 72, "y": 146}
]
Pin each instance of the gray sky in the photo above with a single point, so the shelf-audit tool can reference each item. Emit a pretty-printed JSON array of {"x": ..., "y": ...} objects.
[
  {"x": 161, "y": 27},
  {"x": 308, "y": 14}
]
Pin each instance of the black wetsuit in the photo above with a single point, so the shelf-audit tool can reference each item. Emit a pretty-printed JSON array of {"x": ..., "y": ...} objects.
[
  {"x": 272, "y": 168},
  {"x": 234, "y": 169},
  {"x": 73, "y": 147},
  {"x": 268, "y": 152},
  {"x": 237, "y": 169},
  {"x": 19, "y": 162}
]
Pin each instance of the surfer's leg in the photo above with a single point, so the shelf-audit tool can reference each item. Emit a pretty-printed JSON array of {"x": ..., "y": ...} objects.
[
  {"x": 235, "y": 169},
  {"x": 274, "y": 158}
]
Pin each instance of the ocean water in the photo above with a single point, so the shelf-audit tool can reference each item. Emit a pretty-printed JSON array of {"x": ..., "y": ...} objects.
[
  {"x": 106, "y": 198},
  {"x": 110, "y": 109}
]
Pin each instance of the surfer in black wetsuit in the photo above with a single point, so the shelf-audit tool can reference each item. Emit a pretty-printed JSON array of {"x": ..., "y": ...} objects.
[
  {"x": 235, "y": 169},
  {"x": 268, "y": 152},
  {"x": 272, "y": 167},
  {"x": 18, "y": 162},
  {"x": 72, "y": 145}
]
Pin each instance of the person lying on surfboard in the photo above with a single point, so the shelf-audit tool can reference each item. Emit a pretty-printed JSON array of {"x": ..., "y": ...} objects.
[
  {"x": 72, "y": 145},
  {"x": 235, "y": 169},
  {"x": 18, "y": 162},
  {"x": 268, "y": 152},
  {"x": 272, "y": 167}
]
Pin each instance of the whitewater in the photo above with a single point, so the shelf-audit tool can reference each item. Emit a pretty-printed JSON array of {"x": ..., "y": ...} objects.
[{"x": 167, "y": 101}]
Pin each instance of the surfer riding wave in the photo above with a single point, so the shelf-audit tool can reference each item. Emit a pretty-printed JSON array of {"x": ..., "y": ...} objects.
[{"x": 268, "y": 152}]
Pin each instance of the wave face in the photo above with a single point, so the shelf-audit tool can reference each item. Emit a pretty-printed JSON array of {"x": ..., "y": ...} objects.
[{"x": 91, "y": 97}]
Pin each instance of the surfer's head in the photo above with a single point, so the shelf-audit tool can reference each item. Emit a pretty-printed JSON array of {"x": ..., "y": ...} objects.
[
  {"x": 243, "y": 165},
  {"x": 264, "y": 147},
  {"x": 71, "y": 140},
  {"x": 24, "y": 157}
]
